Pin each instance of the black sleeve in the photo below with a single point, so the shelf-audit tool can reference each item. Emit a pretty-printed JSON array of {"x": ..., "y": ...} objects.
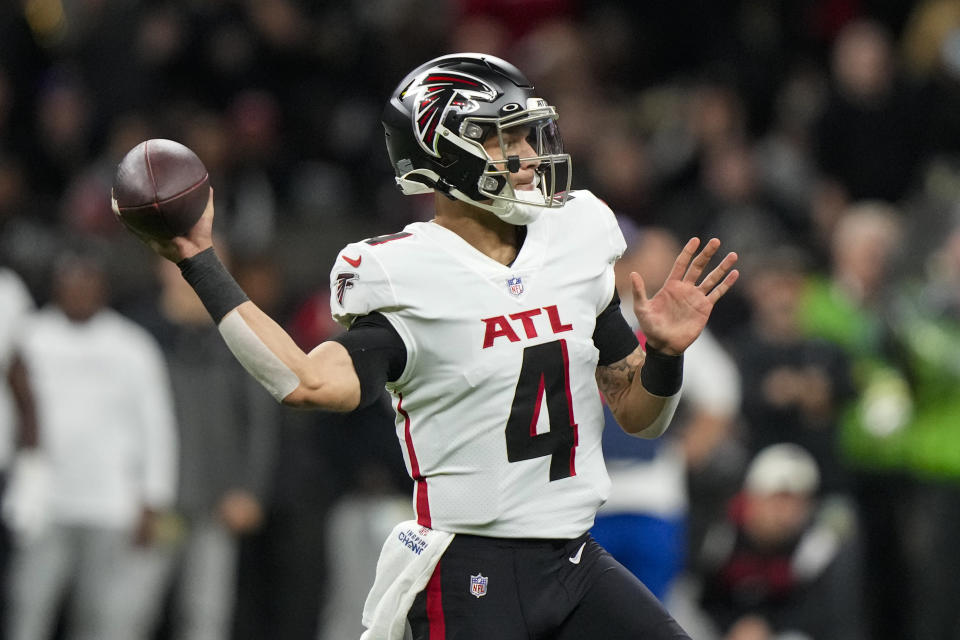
[
  {"x": 378, "y": 354},
  {"x": 612, "y": 335}
]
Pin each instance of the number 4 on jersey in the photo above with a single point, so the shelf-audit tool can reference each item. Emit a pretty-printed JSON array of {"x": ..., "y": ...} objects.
[{"x": 544, "y": 374}]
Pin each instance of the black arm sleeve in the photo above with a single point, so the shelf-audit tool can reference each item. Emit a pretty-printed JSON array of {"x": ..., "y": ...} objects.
[
  {"x": 378, "y": 354},
  {"x": 612, "y": 335}
]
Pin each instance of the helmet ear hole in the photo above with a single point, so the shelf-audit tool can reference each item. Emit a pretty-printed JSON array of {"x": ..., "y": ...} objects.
[{"x": 446, "y": 160}]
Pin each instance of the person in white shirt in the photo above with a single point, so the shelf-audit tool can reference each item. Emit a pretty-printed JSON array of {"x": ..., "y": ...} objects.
[
  {"x": 18, "y": 429},
  {"x": 495, "y": 329},
  {"x": 16, "y": 303},
  {"x": 107, "y": 430}
]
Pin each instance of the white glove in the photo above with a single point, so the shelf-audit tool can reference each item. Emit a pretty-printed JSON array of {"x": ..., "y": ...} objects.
[{"x": 26, "y": 502}]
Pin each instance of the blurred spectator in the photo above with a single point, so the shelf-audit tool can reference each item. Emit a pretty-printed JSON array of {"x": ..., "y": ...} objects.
[
  {"x": 727, "y": 201},
  {"x": 107, "y": 428},
  {"x": 786, "y": 169},
  {"x": 690, "y": 121},
  {"x": 775, "y": 568},
  {"x": 852, "y": 308},
  {"x": 18, "y": 428},
  {"x": 940, "y": 92},
  {"x": 227, "y": 431},
  {"x": 644, "y": 521},
  {"x": 868, "y": 137},
  {"x": 253, "y": 132},
  {"x": 849, "y": 304},
  {"x": 736, "y": 206},
  {"x": 930, "y": 25},
  {"x": 926, "y": 335},
  {"x": 16, "y": 304},
  {"x": 719, "y": 187},
  {"x": 64, "y": 129},
  {"x": 801, "y": 385},
  {"x": 26, "y": 241}
]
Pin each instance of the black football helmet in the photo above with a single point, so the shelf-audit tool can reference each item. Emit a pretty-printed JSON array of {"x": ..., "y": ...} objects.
[{"x": 439, "y": 116}]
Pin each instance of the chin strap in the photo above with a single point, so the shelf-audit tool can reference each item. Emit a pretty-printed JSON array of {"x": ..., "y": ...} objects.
[{"x": 526, "y": 209}]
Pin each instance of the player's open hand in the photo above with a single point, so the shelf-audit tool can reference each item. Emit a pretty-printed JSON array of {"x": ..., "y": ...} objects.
[
  {"x": 177, "y": 248},
  {"x": 674, "y": 317}
]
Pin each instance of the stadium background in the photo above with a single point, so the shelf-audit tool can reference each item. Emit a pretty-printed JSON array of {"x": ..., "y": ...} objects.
[{"x": 727, "y": 117}]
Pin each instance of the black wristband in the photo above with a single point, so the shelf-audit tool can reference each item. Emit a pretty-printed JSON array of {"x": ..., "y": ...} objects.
[
  {"x": 217, "y": 289},
  {"x": 661, "y": 373}
]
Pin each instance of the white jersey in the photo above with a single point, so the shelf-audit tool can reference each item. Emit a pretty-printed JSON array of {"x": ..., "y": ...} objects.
[{"x": 497, "y": 410}]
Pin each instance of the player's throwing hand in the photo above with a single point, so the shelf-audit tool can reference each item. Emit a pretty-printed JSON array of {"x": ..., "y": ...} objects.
[
  {"x": 674, "y": 317},
  {"x": 198, "y": 238}
]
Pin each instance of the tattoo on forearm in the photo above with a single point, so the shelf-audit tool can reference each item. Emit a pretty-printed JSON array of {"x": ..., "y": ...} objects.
[{"x": 615, "y": 379}]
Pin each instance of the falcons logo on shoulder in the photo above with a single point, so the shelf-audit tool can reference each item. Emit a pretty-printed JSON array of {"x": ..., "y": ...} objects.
[
  {"x": 344, "y": 282},
  {"x": 435, "y": 94}
]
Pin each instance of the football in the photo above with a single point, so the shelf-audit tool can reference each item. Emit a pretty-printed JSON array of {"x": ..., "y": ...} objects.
[{"x": 160, "y": 189}]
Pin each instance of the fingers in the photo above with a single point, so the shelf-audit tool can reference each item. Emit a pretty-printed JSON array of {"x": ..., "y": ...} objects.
[
  {"x": 723, "y": 287},
  {"x": 639, "y": 289},
  {"x": 718, "y": 272},
  {"x": 208, "y": 210},
  {"x": 683, "y": 260},
  {"x": 701, "y": 261},
  {"x": 689, "y": 266}
]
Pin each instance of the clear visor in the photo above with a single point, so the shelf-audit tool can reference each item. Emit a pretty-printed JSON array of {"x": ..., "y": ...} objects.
[
  {"x": 540, "y": 131},
  {"x": 529, "y": 144}
]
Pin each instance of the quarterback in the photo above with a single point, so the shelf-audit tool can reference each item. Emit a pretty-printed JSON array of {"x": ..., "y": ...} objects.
[{"x": 495, "y": 327}]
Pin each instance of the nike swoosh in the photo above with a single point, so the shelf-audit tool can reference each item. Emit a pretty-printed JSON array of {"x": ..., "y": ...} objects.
[
  {"x": 575, "y": 558},
  {"x": 353, "y": 262}
]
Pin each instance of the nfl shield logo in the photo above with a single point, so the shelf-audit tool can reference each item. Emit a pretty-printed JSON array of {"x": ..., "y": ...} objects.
[
  {"x": 516, "y": 285},
  {"x": 478, "y": 585}
]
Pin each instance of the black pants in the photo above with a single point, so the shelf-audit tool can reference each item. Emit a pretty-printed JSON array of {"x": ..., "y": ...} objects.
[{"x": 536, "y": 589}]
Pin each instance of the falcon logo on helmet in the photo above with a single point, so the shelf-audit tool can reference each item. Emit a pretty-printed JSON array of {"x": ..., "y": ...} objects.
[{"x": 435, "y": 94}]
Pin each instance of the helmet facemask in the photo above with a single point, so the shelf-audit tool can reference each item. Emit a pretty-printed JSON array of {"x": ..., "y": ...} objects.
[{"x": 552, "y": 175}]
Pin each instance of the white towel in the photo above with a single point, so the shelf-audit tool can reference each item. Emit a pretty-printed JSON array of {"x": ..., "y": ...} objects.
[{"x": 407, "y": 560}]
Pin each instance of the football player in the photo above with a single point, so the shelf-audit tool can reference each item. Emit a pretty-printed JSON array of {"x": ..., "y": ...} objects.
[{"x": 493, "y": 327}]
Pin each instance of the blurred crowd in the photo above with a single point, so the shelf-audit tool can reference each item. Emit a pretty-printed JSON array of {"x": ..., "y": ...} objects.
[{"x": 810, "y": 484}]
